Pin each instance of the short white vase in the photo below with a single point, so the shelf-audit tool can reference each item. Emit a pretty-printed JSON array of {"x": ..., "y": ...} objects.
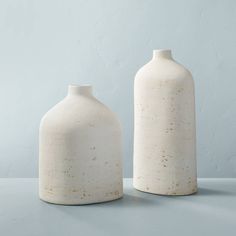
[
  {"x": 80, "y": 151},
  {"x": 164, "y": 130}
]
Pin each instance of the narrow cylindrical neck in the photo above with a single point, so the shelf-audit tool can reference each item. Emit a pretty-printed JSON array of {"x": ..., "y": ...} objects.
[
  {"x": 162, "y": 53},
  {"x": 85, "y": 90}
]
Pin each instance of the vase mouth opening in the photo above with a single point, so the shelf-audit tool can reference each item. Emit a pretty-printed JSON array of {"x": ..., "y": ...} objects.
[
  {"x": 162, "y": 53},
  {"x": 74, "y": 89}
]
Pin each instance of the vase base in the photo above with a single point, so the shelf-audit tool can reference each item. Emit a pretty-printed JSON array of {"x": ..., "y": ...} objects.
[
  {"x": 167, "y": 193},
  {"x": 79, "y": 203}
]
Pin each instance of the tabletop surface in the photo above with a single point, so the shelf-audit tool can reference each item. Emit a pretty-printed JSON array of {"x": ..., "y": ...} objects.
[{"x": 212, "y": 211}]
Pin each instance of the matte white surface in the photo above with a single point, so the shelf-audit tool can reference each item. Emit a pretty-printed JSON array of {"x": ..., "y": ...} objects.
[
  {"x": 46, "y": 45},
  {"x": 164, "y": 156},
  {"x": 210, "y": 212},
  {"x": 80, "y": 151}
]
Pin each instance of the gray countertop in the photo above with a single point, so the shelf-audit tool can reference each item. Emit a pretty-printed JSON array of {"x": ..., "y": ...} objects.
[{"x": 212, "y": 211}]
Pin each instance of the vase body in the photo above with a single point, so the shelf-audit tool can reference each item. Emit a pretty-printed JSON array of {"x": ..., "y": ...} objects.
[
  {"x": 164, "y": 130},
  {"x": 80, "y": 151}
]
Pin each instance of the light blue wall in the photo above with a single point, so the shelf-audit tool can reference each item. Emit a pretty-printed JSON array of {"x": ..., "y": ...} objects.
[{"x": 47, "y": 44}]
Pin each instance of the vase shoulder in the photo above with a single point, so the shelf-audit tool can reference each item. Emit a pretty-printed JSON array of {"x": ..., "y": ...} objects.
[
  {"x": 79, "y": 111},
  {"x": 163, "y": 69}
]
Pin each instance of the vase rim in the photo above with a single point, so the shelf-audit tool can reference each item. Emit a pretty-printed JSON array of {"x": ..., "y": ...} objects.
[
  {"x": 85, "y": 89},
  {"x": 162, "y": 53},
  {"x": 80, "y": 86},
  {"x": 162, "y": 50}
]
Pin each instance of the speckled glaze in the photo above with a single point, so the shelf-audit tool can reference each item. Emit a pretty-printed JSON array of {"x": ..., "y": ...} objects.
[
  {"x": 80, "y": 151},
  {"x": 164, "y": 136}
]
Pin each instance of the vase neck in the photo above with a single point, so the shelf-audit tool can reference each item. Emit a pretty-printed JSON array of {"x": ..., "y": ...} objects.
[
  {"x": 84, "y": 90},
  {"x": 162, "y": 53}
]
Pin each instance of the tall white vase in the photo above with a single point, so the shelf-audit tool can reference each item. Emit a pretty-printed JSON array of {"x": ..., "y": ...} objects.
[
  {"x": 80, "y": 151},
  {"x": 164, "y": 136}
]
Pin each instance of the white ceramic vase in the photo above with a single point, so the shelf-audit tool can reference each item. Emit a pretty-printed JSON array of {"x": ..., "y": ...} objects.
[
  {"x": 164, "y": 130},
  {"x": 80, "y": 151}
]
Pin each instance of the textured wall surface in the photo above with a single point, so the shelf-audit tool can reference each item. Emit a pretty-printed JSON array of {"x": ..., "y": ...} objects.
[{"x": 46, "y": 45}]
